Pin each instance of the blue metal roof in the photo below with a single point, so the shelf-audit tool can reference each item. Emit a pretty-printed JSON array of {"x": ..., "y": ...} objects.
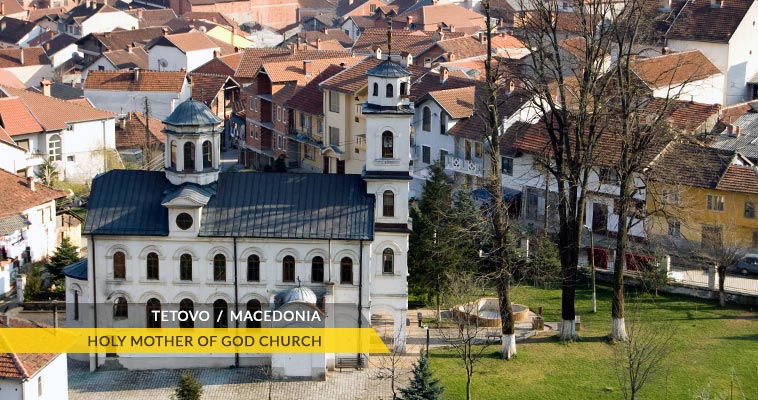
[
  {"x": 254, "y": 205},
  {"x": 197, "y": 194},
  {"x": 192, "y": 113},
  {"x": 77, "y": 270},
  {"x": 388, "y": 69}
]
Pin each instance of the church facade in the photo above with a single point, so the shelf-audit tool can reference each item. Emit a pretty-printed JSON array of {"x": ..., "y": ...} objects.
[{"x": 192, "y": 238}]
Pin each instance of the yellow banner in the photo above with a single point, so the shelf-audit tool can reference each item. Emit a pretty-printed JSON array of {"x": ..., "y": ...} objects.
[{"x": 190, "y": 340}]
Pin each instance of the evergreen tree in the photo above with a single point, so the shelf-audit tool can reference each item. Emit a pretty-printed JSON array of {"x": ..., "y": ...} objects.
[
  {"x": 426, "y": 265},
  {"x": 463, "y": 233},
  {"x": 47, "y": 172},
  {"x": 423, "y": 386},
  {"x": 65, "y": 254},
  {"x": 280, "y": 165},
  {"x": 189, "y": 388}
]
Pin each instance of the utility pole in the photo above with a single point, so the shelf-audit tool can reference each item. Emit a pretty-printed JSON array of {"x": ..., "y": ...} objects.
[{"x": 147, "y": 156}]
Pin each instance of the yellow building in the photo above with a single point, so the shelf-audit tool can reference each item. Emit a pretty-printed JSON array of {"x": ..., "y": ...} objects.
[
  {"x": 229, "y": 36},
  {"x": 705, "y": 196}
]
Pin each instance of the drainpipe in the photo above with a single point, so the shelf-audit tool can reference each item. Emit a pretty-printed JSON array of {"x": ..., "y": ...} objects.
[
  {"x": 94, "y": 291},
  {"x": 236, "y": 301},
  {"x": 360, "y": 290},
  {"x": 329, "y": 245}
]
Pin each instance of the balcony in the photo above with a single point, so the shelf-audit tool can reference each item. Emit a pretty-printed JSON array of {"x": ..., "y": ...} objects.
[{"x": 467, "y": 167}]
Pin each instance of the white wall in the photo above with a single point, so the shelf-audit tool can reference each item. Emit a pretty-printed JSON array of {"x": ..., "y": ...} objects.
[
  {"x": 64, "y": 55},
  {"x": 199, "y": 57},
  {"x": 31, "y": 75},
  {"x": 95, "y": 66},
  {"x": 54, "y": 381},
  {"x": 41, "y": 235},
  {"x": 708, "y": 91},
  {"x": 13, "y": 158},
  {"x": 11, "y": 389},
  {"x": 83, "y": 148},
  {"x": 107, "y": 22},
  {"x": 162, "y": 103},
  {"x": 175, "y": 59}
]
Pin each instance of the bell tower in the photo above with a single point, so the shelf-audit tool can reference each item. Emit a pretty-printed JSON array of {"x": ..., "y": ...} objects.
[{"x": 193, "y": 143}]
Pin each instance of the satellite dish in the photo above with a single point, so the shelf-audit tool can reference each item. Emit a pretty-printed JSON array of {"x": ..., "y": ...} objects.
[
  {"x": 202, "y": 29},
  {"x": 163, "y": 63}
]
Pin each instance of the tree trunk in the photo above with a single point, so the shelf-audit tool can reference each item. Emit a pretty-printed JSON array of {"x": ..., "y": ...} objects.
[
  {"x": 569, "y": 251},
  {"x": 468, "y": 387},
  {"x": 508, "y": 348},
  {"x": 721, "y": 270},
  {"x": 439, "y": 313},
  {"x": 618, "y": 327}
]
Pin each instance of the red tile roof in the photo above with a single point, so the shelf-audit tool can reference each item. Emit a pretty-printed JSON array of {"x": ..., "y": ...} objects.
[
  {"x": 134, "y": 131},
  {"x": 293, "y": 71},
  {"x": 252, "y": 59},
  {"x": 18, "y": 197},
  {"x": 119, "y": 40},
  {"x": 447, "y": 15},
  {"x": 189, "y": 41},
  {"x": 674, "y": 69},
  {"x": 205, "y": 87},
  {"x": 5, "y": 137},
  {"x": 11, "y": 7},
  {"x": 22, "y": 365},
  {"x": 413, "y": 42},
  {"x": 223, "y": 65},
  {"x": 53, "y": 113},
  {"x": 16, "y": 118},
  {"x": 699, "y": 21},
  {"x": 737, "y": 178},
  {"x": 31, "y": 56},
  {"x": 459, "y": 103},
  {"x": 149, "y": 81},
  {"x": 128, "y": 58},
  {"x": 309, "y": 98}
]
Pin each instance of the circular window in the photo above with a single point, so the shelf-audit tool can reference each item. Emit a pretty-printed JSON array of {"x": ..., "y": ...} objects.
[{"x": 184, "y": 221}]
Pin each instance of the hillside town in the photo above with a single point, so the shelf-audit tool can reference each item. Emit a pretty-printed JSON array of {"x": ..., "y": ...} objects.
[{"x": 463, "y": 178}]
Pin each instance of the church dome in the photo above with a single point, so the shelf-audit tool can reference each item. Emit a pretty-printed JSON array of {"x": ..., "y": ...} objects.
[
  {"x": 388, "y": 69},
  {"x": 192, "y": 113},
  {"x": 300, "y": 294}
]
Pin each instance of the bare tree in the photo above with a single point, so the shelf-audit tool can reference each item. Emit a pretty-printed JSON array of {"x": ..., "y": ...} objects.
[
  {"x": 725, "y": 255},
  {"x": 641, "y": 357},
  {"x": 564, "y": 77},
  {"x": 392, "y": 366},
  {"x": 466, "y": 339}
]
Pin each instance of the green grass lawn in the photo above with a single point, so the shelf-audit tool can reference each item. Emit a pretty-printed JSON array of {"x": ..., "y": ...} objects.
[{"x": 711, "y": 345}]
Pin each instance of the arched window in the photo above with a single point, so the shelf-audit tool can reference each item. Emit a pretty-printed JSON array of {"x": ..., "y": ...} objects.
[
  {"x": 387, "y": 145},
  {"x": 426, "y": 119},
  {"x": 120, "y": 308},
  {"x": 207, "y": 154},
  {"x": 317, "y": 269},
  {"x": 443, "y": 123},
  {"x": 376, "y": 89},
  {"x": 390, "y": 90},
  {"x": 185, "y": 267},
  {"x": 219, "y": 267},
  {"x": 152, "y": 266},
  {"x": 253, "y": 268},
  {"x": 54, "y": 148},
  {"x": 153, "y": 309},
  {"x": 187, "y": 306},
  {"x": 173, "y": 154},
  {"x": 388, "y": 204},
  {"x": 119, "y": 265},
  {"x": 388, "y": 261},
  {"x": 404, "y": 89},
  {"x": 76, "y": 305},
  {"x": 253, "y": 306},
  {"x": 288, "y": 269},
  {"x": 346, "y": 270},
  {"x": 220, "y": 314},
  {"x": 189, "y": 157}
]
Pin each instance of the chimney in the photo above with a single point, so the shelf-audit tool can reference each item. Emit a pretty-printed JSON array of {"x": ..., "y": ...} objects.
[
  {"x": 729, "y": 129},
  {"x": 234, "y": 33},
  {"x": 451, "y": 56},
  {"x": 665, "y": 51},
  {"x": 452, "y": 28},
  {"x": 216, "y": 53},
  {"x": 45, "y": 87},
  {"x": 406, "y": 59},
  {"x": 2, "y": 26},
  {"x": 21, "y": 56},
  {"x": 325, "y": 30},
  {"x": 87, "y": 4},
  {"x": 47, "y": 46},
  {"x": 482, "y": 38},
  {"x": 2, "y": 8},
  {"x": 737, "y": 130},
  {"x": 350, "y": 2},
  {"x": 165, "y": 31},
  {"x": 139, "y": 13},
  {"x": 378, "y": 52},
  {"x": 409, "y": 21},
  {"x": 443, "y": 74},
  {"x": 318, "y": 43},
  {"x": 307, "y": 67},
  {"x": 136, "y": 74},
  {"x": 30, "y": 183},
  {"x": 122, "y": 122}
]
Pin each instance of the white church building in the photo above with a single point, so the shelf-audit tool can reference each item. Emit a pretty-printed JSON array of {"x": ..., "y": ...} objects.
[{"x": 191, "y": 238}]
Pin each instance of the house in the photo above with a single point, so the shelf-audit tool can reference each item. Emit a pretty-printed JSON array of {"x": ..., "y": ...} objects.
[
  {"x": 307, "y": 9},
  {"x": 306, "y": 130},
  {"x": 12, "y": 9},
  {"x": 313, "y": 38},
  {"x": 30, "y": 65},
  {"x": 94, "y": 45},
  {"x": 273, "y": 13},
  {"x": 27, "y": 224},
  {"x": 706, "y": 204},
  {"x": 450, "y": 17},
  {"x": 115, "y": 60},
  {"x": 124, "y": 91},
  {"x": 78, "y": 139},
  {"x": 268, "y": 120},
  {"x": 724, "y": 31},
  {"x": 218, "y": 92},
  {"x": 738, "y": 131},
  {"x": 687, "y": 76},
  {"x": 61, "y": 49},
  {"x": 93, "y": 17},
  {"x": 153, "y": 17},
  {"x": 230, "y": 36},
  {"x": 342, "y": 252},
  {"x": 354, "y": 8},
  {"x": 353, "y": 26},
  {"x": 181, "y": 51},
  {"x": 16, "y": 32},
  {"x": 39, "y": 376},
  {"x": 140, "y": 140}
]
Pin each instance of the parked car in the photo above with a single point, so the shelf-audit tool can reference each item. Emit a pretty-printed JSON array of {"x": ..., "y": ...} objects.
[{"x": 748, "y": 264}]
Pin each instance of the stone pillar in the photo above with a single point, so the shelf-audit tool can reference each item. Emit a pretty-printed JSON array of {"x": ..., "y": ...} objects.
[{"x": 20, "y": 285}]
